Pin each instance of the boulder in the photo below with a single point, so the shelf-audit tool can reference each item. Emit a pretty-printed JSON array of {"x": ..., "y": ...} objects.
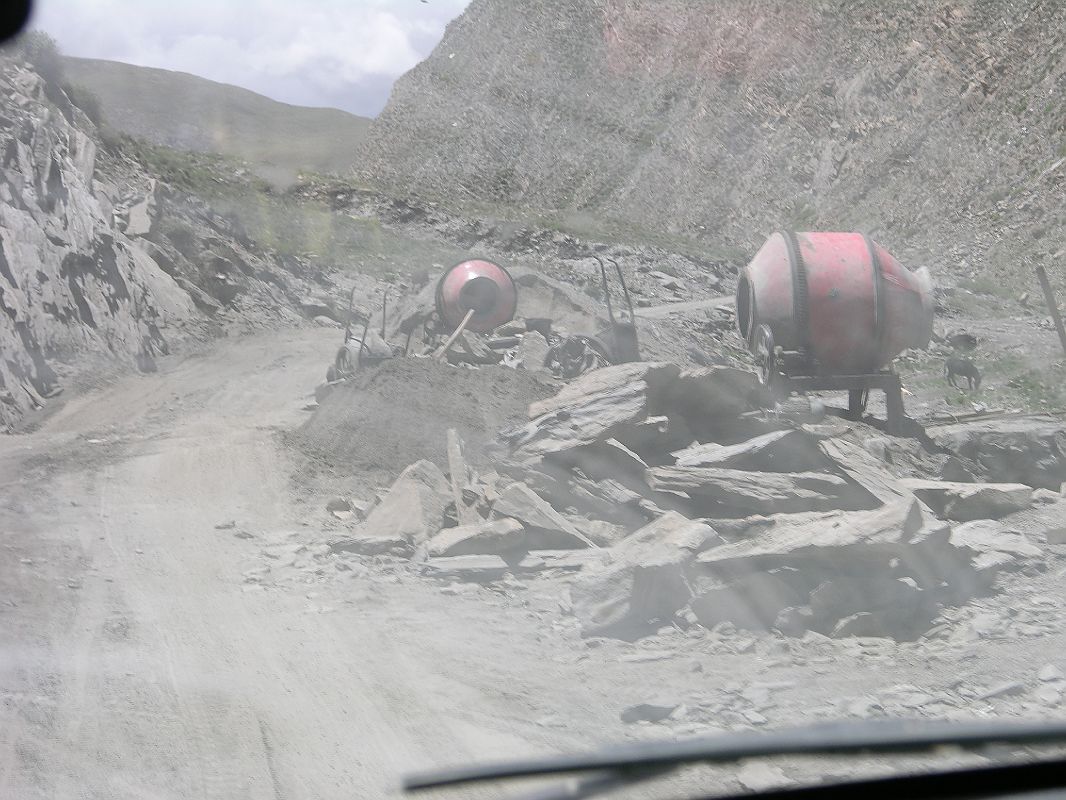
[
  {"x": 409, "y": 514},
  {"x": 864, "y": 469},
  {"x": 762, "y": 492},
  {"x": 968, "y": 501},
  {"x": 836, "y": 541},
  {"x": 566, "y": 560},
  {"x": 753, "y": 602},
  {"x": 710, "y": 399},
  {"x": 493, "y": 537},
  {"x": 777, "y": 451},
  {"x": 1023, "y": 449},
  {"x": 647, "y": 379},
  {"x": 609, "y": 459},
  {"x": 549, "y": 528},
  {"x": 321, "y": 307},
  {"x": 901, "y": 608},
  {"x": 983, "y": 537},
  {"x": 473, "y": 568},
  {"x": 645, "y": 583},
  {"x": 602, "y": 404}
]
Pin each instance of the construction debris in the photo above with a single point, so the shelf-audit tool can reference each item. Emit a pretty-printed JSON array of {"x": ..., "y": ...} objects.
[
  {"x": 761, "y": 492},
  {"x": 411, "y": 512},
  {"x": 968, "y": 501},
  {"x": 663, "y": 497}
]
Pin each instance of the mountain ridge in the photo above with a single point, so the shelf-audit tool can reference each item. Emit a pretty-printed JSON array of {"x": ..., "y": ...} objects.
[
  {"x": 940, "y": 131},
  {"x": 189, "y": 112}
]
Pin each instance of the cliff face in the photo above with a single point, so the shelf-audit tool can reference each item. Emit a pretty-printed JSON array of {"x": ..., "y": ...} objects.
[
  {"x": 70, "y": 280},
  {"x": 102, "y": 263},
  {"x": 938, "y": 128}
]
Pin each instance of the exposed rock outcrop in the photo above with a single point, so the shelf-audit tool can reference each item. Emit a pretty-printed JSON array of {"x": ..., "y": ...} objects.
[{"x": 70, "y": 280}]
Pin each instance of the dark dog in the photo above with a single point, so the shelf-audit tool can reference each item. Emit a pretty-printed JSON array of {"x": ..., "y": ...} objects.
[{"x": 956, "y": 366}]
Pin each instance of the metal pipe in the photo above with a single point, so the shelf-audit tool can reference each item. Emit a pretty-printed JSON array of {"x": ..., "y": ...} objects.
[
  {"x": 348, "y": 324},
  {"x": 606, "y": 290},
  {"x": 625, "y": 291}
]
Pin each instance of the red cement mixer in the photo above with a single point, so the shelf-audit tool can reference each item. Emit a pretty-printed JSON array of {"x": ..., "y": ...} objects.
[
  {"x": 829, "y": 311},
  {"x": 476, "y": 295}
]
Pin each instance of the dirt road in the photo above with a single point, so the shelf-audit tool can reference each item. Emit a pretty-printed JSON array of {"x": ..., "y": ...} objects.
[
  {"x": 134, "y": 660},
  {"x": 143, "y": 654}
]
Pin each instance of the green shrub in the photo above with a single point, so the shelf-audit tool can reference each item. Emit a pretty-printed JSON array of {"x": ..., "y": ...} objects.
[
  {"x": 42, "y": 53},
  {"x": 86, "y": 100}
]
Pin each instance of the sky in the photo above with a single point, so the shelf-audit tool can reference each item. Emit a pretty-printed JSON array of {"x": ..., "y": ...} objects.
[{"x": 339, "y": 53}]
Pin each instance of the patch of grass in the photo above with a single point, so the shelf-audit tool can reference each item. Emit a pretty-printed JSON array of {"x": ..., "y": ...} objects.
[
  {"x": 206, "y": 175},
  {"x": 987, "y": 285},
  {"x": 1040, "y": 389},
  {"x": 1008, "y": 381},
  {"x": 86, "y": 100},
  {"x": 804, "y": 216},
  {"x": 284, "y": 222}
]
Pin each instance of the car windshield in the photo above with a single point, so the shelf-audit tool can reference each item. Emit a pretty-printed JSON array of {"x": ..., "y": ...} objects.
[{"x": 390, "y": 385}]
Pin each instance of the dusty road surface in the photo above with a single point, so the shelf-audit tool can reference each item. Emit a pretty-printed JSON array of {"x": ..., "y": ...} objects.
[
  {"x": 143, "y": 654},
  {"x": 134, "y": 660}
]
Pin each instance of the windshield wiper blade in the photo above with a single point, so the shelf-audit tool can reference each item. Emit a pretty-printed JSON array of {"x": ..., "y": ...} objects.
[{"x": 843, "y": 738}]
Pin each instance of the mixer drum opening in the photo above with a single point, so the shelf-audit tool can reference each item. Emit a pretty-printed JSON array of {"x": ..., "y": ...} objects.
[{"x": 480, "y": 294}]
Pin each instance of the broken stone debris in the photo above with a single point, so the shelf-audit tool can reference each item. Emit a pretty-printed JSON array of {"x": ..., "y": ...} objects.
[
  {"x": 761, "y": 492},
  {"x": 969, "y": 501},
  {"x": 639, "y": 458},
  {"x": 411, "y": 512},
  {"x": 1022, "y": 449},
  {"x": 788, "y": 450},
  {"x": 645, "y": 583},
  {"x": 551, "y": 529},
  {"x": 485, "y": 538}
]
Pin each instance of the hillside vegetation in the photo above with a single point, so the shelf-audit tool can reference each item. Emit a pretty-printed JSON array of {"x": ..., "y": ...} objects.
[
  {"x": 192, "y": 113},
  {"x": 938, "y": 128}
]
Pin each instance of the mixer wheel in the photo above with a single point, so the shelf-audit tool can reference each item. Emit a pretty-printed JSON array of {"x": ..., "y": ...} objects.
[{"x": 765, "y": 355}]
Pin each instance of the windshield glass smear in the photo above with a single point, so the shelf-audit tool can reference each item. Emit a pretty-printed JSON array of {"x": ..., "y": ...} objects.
[{"x": 395, "y": 386}]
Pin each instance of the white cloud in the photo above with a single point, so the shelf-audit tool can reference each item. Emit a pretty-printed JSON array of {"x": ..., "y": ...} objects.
[{"x": 311, "y": 52}]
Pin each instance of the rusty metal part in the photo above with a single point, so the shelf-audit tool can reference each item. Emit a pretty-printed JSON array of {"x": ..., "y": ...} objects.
[{"x": 622, "y": 341}]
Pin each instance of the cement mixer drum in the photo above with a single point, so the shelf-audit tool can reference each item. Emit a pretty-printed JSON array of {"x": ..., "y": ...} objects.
[
  {"x": 481, "y": 286},
  {"x": 837, "y": 303}
]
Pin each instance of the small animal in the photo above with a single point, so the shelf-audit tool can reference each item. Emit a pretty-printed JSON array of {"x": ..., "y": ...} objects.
[{"x": 956, "y": 366}]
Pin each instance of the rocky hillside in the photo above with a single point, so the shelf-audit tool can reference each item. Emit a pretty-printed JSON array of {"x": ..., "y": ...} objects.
[
  {"x": 104, "y": 264},
  {"x": 192, "y": 113},
  {"x": 938, "y": 128},
  {"x": 70, "y": 281}
]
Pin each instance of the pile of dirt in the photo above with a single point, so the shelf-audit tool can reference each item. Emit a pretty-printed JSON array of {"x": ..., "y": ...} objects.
[{"x": 390, "y": 416}]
